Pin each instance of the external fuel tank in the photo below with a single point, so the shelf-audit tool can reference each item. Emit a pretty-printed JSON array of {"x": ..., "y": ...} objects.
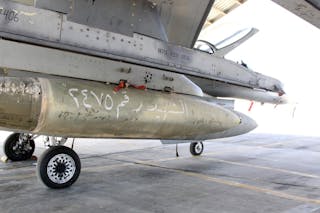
[{"x": 81, "y": 108}]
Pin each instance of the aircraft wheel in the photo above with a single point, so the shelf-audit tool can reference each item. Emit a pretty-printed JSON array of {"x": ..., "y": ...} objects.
[
  {"x": 18, "y": 148},
  {"x": 59, "y": 167},
  {"x": 196, "y": 148}
]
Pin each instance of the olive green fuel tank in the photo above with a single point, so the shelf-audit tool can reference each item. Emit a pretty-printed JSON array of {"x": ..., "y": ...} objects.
[{"x": 80, "y": 108}]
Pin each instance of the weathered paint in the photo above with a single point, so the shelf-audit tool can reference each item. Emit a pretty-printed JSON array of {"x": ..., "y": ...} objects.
[
  {"x": 79, "y": 108},
  {"x": 20, "y": 101}
]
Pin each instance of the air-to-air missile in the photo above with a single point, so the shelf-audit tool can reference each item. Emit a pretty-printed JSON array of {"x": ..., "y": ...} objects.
[{"x": 65, "y": 77}]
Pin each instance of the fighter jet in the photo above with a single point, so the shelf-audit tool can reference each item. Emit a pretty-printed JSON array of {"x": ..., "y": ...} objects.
[{"x": 117, "y": 69}]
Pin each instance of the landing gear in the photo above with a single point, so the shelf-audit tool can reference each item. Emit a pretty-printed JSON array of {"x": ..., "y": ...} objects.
[
  {"x": 196, "y": 148},
  {"x": 59, "y": 167},
  {"x": 50, "y": 141},
  {"x": 19, "y": 146}
]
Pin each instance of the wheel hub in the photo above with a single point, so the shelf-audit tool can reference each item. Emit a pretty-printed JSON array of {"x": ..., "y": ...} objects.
[
  {"x": 198, "y": 147},
  {"x": 61, "y": 168},
  {"x": 21, "y": 147}
]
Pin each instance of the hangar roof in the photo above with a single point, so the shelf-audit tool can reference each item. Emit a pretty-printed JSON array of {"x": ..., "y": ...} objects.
[
  {"x": 309, "y": 10},
  {"x": 221, "y": 8}
]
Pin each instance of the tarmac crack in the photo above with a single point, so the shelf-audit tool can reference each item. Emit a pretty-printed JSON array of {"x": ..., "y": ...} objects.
[{"x": 288, "y": 184}]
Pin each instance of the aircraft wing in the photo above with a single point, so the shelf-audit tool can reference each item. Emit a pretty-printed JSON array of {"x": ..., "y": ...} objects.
[{"x": 174, "y": 21}]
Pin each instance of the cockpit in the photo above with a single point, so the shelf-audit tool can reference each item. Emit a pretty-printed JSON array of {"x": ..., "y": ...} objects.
[{"x": 222, "y": 47}]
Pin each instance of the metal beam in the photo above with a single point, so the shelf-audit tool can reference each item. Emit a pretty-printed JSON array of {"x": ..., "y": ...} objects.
[{"x": 303, "y": 9}]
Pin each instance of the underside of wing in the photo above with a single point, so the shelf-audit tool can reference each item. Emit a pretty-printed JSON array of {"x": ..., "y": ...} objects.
[{"x": 174, "y": 21}]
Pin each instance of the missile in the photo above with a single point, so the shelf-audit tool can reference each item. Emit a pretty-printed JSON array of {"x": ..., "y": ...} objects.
[{"x": 81, "y": 108}]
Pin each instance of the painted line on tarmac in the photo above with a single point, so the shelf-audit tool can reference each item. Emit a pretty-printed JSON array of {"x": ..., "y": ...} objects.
[
  {"x": 18, "y": 177},
  {"x": 292, "y": 141},
  {"x": 114, "y": 166},
  {"x": 263, "y": 167},
  {"x": 92, "y": 168},
  {"x": 208, "y": 158},
  {"x": 252, "y": 188},
  {"x": 105, "y": 168},
  {"x": 282, "y": 143},
  {"x": 187, "y": 173},
  {"x": 131, "y": 162},
  {"x": 233, "y": 183}
]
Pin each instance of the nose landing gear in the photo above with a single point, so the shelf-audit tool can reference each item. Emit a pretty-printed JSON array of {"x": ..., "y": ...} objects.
[
  {"x": 19, "y": 146},
  {"x": 196, "y": 148}
]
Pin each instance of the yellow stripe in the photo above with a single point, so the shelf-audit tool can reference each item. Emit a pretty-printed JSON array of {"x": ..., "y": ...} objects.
[
  {"x": 201, "y": 176},
  {"x": 235, "y": 163},
  {"x": 18, "y": 177},
  {"x": 252, "y": 188},
  {"x": 238, "y": 185},
  {"x": 286, "y": 142},
  {"x": 104, "y": 168},
  {"x": 263, "y": 167}
]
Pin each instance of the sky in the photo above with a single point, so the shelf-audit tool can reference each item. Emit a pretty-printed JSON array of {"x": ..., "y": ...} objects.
[{"x": 286, "y": 47}]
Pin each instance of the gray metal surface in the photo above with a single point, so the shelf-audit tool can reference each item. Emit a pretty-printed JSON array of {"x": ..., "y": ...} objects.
[
  {"x": 63, "y": 6},
  {"x": 315, "y": 3},
  {"x": 22, "y": 19},
  {"x": 254, "y": 173},
  {"x": 14, "y": 55},
  {"x": 303, "y": 9},
  {"x": 174, "y": 58},
  {"x": 145, "y": 51},
  {"x": 61, "y": 63},
  {"x": 221, "y": 89},
  {"x": 121, "y": 16},
  {"x": 176, "y": 21},
  {"x": 185, "y": 20}
]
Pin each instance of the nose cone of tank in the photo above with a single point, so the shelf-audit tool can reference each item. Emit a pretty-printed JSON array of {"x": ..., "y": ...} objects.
[
  {"x": 19, "y": 103},
  {"x": 216, "y": 118},
  {"x": 230, "y": 119},
  {"x": 237, "y": 123},
  {"x": 245, "y": 125}
]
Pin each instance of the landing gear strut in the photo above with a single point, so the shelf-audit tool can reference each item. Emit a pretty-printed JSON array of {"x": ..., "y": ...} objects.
[
  {"x": 19, "y": 146},
  {"x": 59, "y": 167},
  {"x": 196, "y": 148}
]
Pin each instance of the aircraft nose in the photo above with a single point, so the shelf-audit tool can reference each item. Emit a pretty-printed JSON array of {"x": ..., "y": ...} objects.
[
  {"x": 282, "y": 95},
  {"x": 284, "y": 99}
]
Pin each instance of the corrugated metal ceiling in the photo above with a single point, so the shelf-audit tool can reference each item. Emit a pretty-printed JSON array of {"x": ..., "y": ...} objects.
[{"x": 221, "y": 8}]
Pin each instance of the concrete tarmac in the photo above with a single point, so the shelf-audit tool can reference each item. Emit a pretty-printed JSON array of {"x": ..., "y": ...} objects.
[{"x": 249, "y": 173}]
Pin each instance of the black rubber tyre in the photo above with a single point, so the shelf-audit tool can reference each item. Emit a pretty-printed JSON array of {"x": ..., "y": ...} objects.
[
  {"x": 17, "y": 152},
  {"x": 196, "y": 148},
  {"x": 58, "y": 167}
]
